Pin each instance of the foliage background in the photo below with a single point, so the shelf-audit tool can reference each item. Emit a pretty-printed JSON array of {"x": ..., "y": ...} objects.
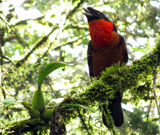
[{"x": 37, "y": 32}]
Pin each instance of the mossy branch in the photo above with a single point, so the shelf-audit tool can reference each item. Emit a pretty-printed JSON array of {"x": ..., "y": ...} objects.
[
  {"x": 124, "y": 78},
  {"x": 23, "y": 126}
]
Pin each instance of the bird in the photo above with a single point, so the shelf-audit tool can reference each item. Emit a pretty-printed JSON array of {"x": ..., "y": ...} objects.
[{"x": 105, "y": 49}]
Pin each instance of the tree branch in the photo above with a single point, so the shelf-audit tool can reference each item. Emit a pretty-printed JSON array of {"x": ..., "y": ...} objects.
[
  {"x": 69, "y": 43},
  {"x": 24, "y": 22},
  {"x": 23, "y": 126},
  {"x": 35, "y": 46}
]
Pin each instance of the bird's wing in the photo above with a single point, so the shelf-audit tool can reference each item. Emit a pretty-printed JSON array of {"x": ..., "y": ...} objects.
[
  {"x": 89, "y": 59},
  {"x": 122, "y": 44}
]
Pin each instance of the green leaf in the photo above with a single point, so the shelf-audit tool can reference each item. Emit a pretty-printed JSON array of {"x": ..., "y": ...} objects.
[
  {"x": 79, "y": 105},
  {"x": 86, "y": 107},
  {"x": 9, "y": 101},
  {"x": 38, "y": 101},
  {"x": 48, "y": 69},
  {"x": 48, "y": 114}
]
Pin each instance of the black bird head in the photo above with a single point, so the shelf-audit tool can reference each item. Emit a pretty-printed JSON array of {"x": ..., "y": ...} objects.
[{"x": 93, "y": 14}]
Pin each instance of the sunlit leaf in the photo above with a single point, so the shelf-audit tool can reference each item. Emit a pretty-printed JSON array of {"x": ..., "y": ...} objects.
[{"x": 49, "y": 69}]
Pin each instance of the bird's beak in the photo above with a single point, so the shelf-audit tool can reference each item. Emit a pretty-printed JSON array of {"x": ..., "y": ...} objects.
[{"x": 87, "y": 12}]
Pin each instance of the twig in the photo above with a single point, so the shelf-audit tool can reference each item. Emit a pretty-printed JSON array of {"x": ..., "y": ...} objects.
[
  {"x": 1, "y": 63},
  {"x": 5, "y": 57},
  {"x": 83, "y": 122},
  {"x": 15, "y": 33},
  {"x": 24, "y": 22},
  {"x": 150, "y": 13},
  {"x": 145, "y": 127},
  {"x": 71, "y": 13},
  {"x": 67, "y": 43}
]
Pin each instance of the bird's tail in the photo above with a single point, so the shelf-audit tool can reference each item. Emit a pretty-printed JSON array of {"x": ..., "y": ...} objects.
[{"x": 115, "y": 111}]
